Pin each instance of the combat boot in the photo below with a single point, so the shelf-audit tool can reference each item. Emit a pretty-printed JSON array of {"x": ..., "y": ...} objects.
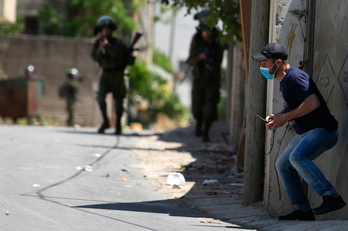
[
  {"x": 206, "y": 132},
  {"x": 198, "y": 131},
  {"x": 104, "y": 126},
  {"x": 119, "y": 113},
  {"x": 118, "y": 130}
]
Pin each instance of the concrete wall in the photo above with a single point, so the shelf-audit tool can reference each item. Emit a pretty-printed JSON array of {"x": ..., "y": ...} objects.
[
  {"x": 330, "y": 72},
  {"x": 52, "y": 56},
  {"x": 325, "y": 52},
  {"x": 285, "y": 28}
]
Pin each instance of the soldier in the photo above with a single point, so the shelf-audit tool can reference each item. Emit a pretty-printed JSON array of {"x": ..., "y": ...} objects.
[
  {"x": 316, "y": 132},
  {"x": 30, "y": 71},
  {"x": 112, "y": 55},
  {"x": 206, "y": 57},
  {"x": 30, "y": 74},
  {"x": 69, "y": 90}
]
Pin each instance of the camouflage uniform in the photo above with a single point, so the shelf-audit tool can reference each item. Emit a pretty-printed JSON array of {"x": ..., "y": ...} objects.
[
  {"x": 113, "y": 60},
  {"x": 206, "y": 82}
]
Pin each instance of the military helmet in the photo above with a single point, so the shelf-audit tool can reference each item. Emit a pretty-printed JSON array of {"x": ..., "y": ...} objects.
[
  {"x": 202, "y": 18},
  {"x": 202, "y": 15},
  {"x": 104, "y": 21},
  {"x": 72, "y": 73},
  {"x": 30, "y": 68}
]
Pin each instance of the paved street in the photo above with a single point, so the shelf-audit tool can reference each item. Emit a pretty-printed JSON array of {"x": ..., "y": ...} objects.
[{"x": 67, "y": 179}]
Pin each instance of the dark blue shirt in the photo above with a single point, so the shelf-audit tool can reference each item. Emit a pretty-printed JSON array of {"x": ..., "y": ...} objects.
[{"x": 295, "y": 87}]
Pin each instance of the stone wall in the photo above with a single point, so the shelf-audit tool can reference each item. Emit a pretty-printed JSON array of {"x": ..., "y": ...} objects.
[{"x": 52, "y": 56}]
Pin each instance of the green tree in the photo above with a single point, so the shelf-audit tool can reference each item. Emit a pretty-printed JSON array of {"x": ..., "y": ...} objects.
[
  {"x": 51, "y": 22},
  {"x": 226, "y": 11},
  {"x": 156, "y": 91},
  {"x": 12, "y": 28},
  {"x": 86, "y": 13}
]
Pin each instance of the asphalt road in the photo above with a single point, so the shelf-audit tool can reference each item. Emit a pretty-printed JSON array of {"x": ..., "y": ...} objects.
[{"x": 45, "y": 186}]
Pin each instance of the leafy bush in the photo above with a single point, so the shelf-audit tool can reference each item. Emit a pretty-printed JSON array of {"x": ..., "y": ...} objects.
[
  {"x": 86, "y": 13},
  {"x": 52, "y": 23},
  {"x": 162, "y": 60},
  {"x": 12, "y": 28},
  {"x": 148, "y": 87}
]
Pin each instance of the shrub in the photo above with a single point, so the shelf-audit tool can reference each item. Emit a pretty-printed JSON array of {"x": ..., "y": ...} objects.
[
  {"x": 160, "y": 59},
  {"x": 146, "y": 86}
]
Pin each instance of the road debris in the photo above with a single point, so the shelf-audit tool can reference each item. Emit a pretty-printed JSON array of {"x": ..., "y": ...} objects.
[
  {"x": 236, "y": 184},
  {"x": 211, "y": 181},
  {"x": 88, "y": 168},
  {"x": 176, "y": 178},
  {"x": 209, "y": 220},
  {"x": 186, "y": 166},
  {"x": 106, "y": 175}
]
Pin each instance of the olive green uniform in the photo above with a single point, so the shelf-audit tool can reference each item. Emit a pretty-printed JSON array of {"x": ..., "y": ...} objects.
[
  {"x": 113, "y": 60},
  {"x": 69, "y": 90},
  {"x": 206, "y": 82}
]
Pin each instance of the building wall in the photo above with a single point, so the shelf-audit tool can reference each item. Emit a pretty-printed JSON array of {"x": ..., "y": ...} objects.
[
  {"x": 31, "y": 7},
  {"x": 330, "y": 72},
  {"x": 8, "y": 11},
  {"x": 288, "y": 29},
  {"x": 52, "y": 56},
  {"x": 322, "y": 42}
]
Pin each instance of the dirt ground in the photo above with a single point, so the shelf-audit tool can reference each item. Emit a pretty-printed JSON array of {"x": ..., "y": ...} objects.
[
  {"x": 164, "y": 153},
  {"x": 208, "y": 168}
]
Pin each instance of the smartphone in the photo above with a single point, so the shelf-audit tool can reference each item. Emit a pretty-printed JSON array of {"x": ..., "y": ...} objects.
[{"x": 263, "y": 120}]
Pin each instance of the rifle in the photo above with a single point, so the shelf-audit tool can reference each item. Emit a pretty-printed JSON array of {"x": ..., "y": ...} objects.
[
  {"x": 131, "y": 57},
  {"x": 187, "y": 71}
]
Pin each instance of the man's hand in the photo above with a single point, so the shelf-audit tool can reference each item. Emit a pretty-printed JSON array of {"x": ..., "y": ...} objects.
[
  {"x": 307, "y": 106},
  {"x": 202, "y": 56},
  {"x": 278, "y": 120},
  {"x": 103, "y": 43},
  {"x": 209, "y": 66}
]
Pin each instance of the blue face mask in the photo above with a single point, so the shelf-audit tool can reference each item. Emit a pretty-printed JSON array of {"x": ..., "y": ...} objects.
[{"x": 265, "y": 72}]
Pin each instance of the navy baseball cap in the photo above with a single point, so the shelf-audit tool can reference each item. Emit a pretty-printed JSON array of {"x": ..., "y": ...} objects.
[{"x": 273, "y": 51}]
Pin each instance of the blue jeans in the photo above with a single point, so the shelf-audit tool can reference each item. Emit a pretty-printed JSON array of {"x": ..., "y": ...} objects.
[{"x": 297, "y": 160}]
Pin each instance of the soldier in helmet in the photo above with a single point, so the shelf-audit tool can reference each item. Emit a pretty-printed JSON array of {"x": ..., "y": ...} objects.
[
  {"x": 111, "y": 54},
  {"x": 205, "y": 56},
  {"x": 69, "y": 90},
  {"x": 31, "y": 76},
  {"x": 30, "y": 71}
]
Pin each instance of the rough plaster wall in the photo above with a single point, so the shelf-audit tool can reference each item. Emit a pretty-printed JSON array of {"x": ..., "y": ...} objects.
[
  {"x": 52, "y": 56},
  {"x": 289, "y": 28},
  {"x": 330, "y": 72}
]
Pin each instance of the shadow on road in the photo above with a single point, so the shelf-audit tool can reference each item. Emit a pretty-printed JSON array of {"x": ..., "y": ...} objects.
[
  {"x": 169, "y": 207},
  {"x": 212, "y": 161}
]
